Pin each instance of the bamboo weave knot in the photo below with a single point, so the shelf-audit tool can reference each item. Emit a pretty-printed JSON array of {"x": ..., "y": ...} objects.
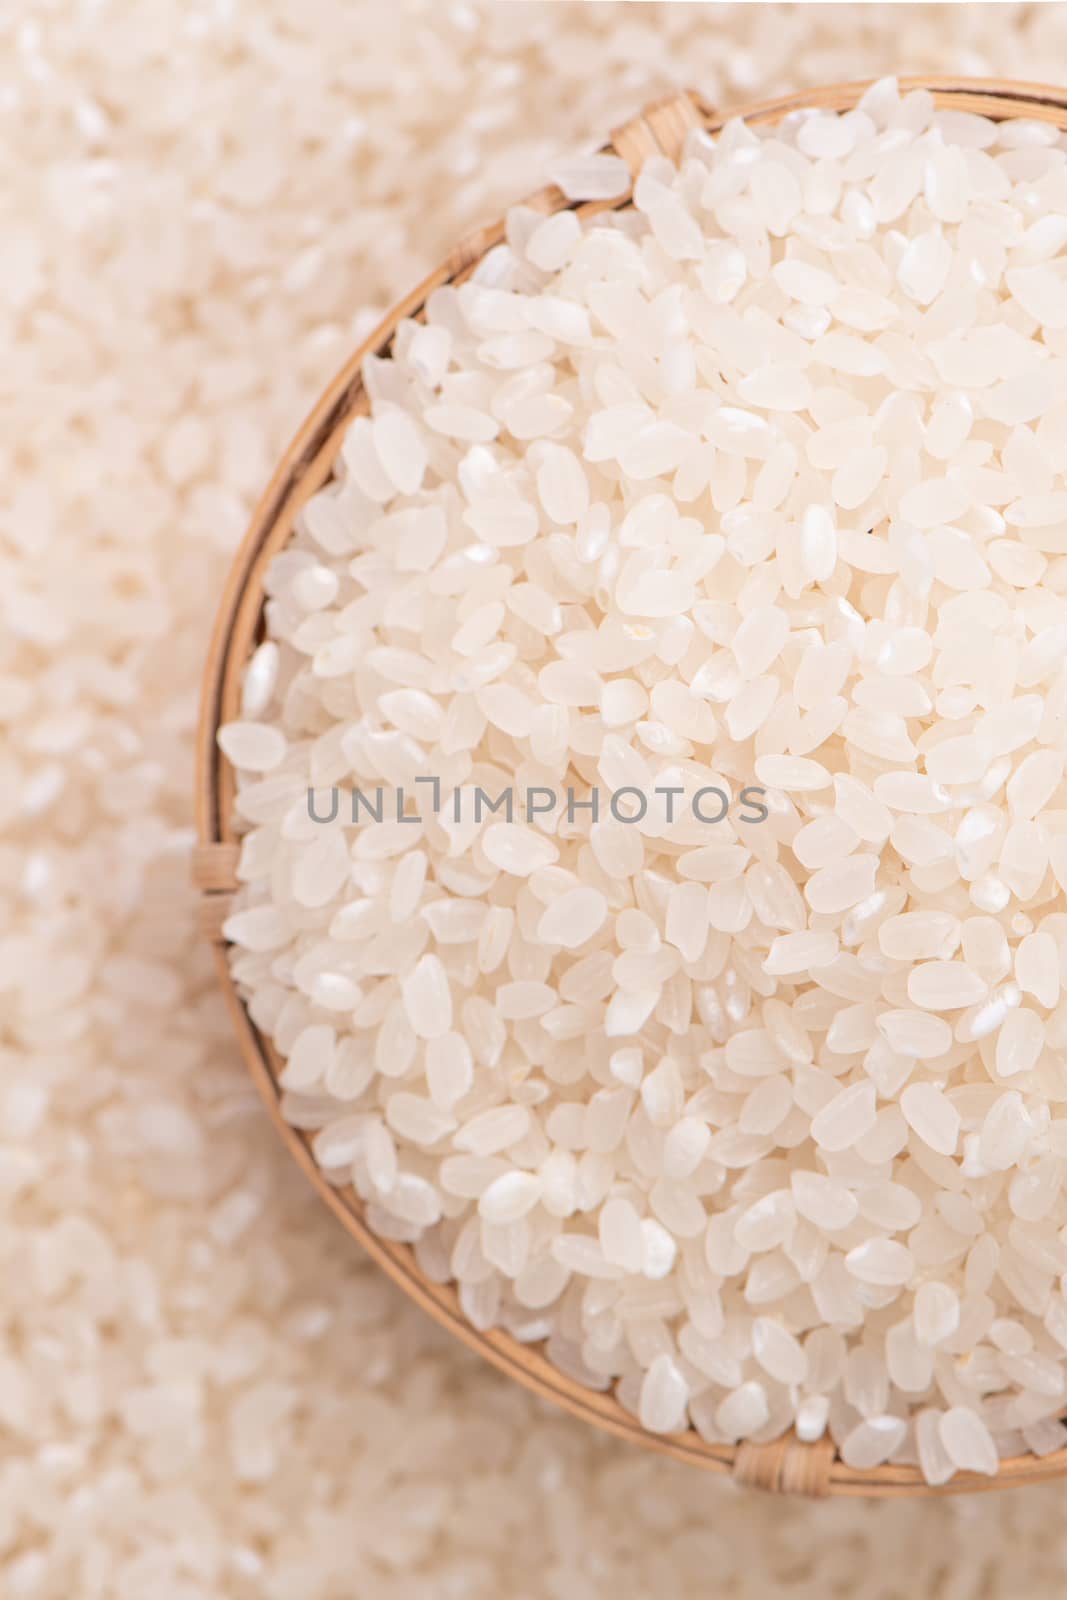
[
  {"x": 213, "y": 869},
  {"x": 786, "y": 1466},
  {"x": 659, "y": 130}
]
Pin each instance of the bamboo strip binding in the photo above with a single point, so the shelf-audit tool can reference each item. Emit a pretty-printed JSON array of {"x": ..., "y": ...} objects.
[{"x": 782, "y": 1466}]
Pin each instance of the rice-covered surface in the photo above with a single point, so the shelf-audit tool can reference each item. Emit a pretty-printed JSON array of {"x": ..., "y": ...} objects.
[{"x": 205, "y": 1393}]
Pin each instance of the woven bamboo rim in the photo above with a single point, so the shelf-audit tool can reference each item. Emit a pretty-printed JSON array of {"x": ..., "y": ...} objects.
[{"x": 786, "y": 1465}]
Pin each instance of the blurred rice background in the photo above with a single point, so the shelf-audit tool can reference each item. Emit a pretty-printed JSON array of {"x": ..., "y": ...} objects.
[{"x": 204, "y": 1393}]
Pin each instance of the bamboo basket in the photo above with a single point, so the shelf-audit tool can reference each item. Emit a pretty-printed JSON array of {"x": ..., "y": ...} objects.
[{"x": 786, "y": 1465}]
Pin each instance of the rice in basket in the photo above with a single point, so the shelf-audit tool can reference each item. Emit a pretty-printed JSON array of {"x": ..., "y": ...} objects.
[{"x": 652, "y": 788}]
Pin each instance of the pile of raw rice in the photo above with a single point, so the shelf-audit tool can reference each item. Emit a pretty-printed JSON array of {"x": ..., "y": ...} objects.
[{"x": 758, "y": 483}]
